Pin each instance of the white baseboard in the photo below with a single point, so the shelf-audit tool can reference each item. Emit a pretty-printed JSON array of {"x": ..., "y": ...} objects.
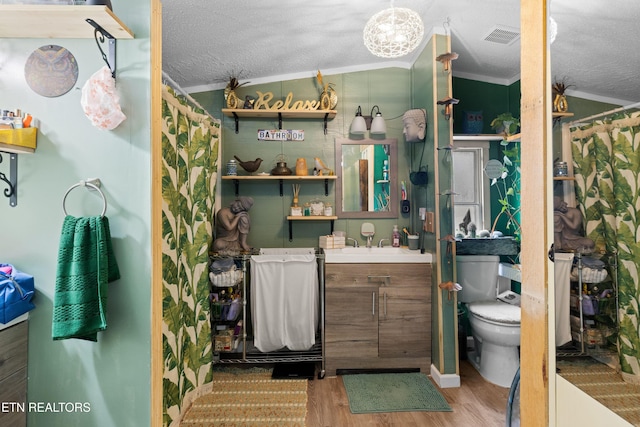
[{"x": 445, "y": 380}]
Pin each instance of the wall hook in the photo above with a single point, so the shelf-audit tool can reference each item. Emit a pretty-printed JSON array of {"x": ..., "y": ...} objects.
[
  {"x": 448, "y": 102},
  {"x": 446, "y": 59},
  {"x": 100, "y": 34},
  {"x": 450, "y": 287}
]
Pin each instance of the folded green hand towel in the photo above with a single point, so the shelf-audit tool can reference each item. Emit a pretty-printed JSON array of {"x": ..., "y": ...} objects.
[{"x": 86, "y": 264}]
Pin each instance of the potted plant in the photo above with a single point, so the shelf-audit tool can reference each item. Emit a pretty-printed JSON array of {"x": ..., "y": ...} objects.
[
  {"x": 505, "y": 123},
  {"x": 508, "y": 188},
  {"x": 558, "y": 89}
]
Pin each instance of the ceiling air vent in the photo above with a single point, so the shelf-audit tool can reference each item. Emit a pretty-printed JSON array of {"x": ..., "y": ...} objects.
[{"x": 502, "y": 35}]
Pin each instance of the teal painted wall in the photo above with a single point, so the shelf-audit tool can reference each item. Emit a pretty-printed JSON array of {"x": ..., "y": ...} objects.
[
  {"x": 394, "y": 91},
  {"x": 424, "y": 96},
  {"x": 492, "y": 99},
  {"x": 580, "y": 108},
  {"x": 387, "y": 88},
  {"x": 112, "y": 375}
]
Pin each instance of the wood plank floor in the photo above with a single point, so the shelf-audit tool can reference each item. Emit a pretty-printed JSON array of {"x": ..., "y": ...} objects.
[{"x": 476, "y": 403}]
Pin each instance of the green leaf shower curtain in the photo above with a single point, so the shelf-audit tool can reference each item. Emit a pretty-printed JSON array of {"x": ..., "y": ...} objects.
[
  {"x": 606, "y": 157},
  {"x": 190, "y": 141}
]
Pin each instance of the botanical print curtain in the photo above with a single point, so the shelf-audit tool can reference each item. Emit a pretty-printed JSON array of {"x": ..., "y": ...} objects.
[
  {"x": 606, "y": 157},
  {"x": 190, "y": 140}
]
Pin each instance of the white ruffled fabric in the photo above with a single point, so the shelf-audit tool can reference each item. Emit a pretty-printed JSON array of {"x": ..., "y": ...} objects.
[
  {"x": 100, "y": 101},
  {"x": 284, "y": 301}
]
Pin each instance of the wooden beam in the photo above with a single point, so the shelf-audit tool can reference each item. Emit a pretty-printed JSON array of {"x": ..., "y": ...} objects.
[
  {"x": 363, "y": 169},
  {"x": 536, "y": 151}
]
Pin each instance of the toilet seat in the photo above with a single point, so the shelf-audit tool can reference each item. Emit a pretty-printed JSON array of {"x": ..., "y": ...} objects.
[{"x": 496, "y": 312}]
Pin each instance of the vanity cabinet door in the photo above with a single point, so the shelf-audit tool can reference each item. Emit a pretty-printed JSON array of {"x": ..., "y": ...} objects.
[
  {"x": 13, "y": 373},
  {"x": 404, "y": 322},
  {"x": 351, "y": 321},
  {"x": 377, "y": 316}
]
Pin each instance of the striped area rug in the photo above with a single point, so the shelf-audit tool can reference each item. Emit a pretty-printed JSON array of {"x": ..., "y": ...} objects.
[
  {"x": 605, "y": 385},
  {"x": 250, "y": 399}
]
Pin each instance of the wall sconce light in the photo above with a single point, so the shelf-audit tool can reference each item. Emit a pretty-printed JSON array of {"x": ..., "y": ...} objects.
[
  {"x": 378, "y": 126},
  {"x": 375, "y": 124},
  {"x": 448, "y": 102},
  {"x": 358, "y": 124}
]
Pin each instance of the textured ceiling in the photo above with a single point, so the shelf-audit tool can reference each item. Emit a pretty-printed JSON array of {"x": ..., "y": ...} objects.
[{"x": 207, "y": 42}]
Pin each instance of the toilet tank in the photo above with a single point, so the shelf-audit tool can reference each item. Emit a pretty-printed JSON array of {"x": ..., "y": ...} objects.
[{"x": 478, "y": 276}]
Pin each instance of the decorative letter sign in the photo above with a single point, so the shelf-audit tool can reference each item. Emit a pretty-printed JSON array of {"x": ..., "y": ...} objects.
[
  {"x": 264, "y": 103},
  {"x": 280, "y": 135}
]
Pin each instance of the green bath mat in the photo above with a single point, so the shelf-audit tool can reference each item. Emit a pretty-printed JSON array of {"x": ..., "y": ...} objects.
[{"x": 393, "y": 393}]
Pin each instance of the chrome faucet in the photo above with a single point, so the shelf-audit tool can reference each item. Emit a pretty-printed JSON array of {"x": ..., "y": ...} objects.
[
  {"x": 369, "y": 240},
  {"x": 368, "y": 230},
  {"x": 382, "y": 240},
  {"x": 355, "y": 242}
]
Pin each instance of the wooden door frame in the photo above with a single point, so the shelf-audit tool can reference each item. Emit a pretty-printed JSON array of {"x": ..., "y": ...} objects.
[
  {"x": 536, "y": 142},
  {"x": 536, "y": 215}
]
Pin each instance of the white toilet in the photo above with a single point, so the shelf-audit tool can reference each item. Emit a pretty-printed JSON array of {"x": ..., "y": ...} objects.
[{"x": 495, "y": 325}]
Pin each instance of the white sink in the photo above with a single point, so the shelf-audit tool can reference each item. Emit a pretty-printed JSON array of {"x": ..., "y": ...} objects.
[{"x": 389, "y": 254}]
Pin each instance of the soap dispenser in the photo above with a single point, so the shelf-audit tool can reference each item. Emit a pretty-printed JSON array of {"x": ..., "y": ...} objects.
[{"x": 395, "y": 237}]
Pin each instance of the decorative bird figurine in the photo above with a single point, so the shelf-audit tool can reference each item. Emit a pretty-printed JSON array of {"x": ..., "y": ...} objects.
[
  {"x": 321, "y": 168},
  {"x": 249, "y": 166}
]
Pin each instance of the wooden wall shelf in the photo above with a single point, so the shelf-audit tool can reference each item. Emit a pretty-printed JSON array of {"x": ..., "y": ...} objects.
[
  {"x": 281, "y": 178},
  {"x": 291, "y": 218},
  {"x": 477, "y": 137},
  {"x": 58, "y": 21},
  {"x": 279, "y": 114},
  {"x": 37, "y": 21},
  {"x": 14, "y": 142}
]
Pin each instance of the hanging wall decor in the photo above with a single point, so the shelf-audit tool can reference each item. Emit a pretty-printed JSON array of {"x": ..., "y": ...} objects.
[{"x": 51, "y": 71}]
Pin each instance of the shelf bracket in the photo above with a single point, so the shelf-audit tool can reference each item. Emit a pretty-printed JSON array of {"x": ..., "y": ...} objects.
[
  {"x": 326, "y": 187},
  {"x": 326, "y": 117},
  {"x": 100, "y": 34},
  {"x": 236, "y": 183},
  {"x": 12, "y": 183},
  {"x": 235, "y": 117},
  {"x": 281, "y": 187},
  {"x": 279, "y": 121}
]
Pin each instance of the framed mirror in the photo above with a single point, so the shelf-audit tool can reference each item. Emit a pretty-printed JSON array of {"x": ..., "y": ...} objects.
[{"x": 367, "y": 184}]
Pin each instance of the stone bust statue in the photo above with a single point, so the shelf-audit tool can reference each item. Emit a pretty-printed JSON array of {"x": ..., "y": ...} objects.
[
  {"x": 567, "y": 223},
  {"x": 232, "y": 227},
  {"x": 415, "y": 124}
]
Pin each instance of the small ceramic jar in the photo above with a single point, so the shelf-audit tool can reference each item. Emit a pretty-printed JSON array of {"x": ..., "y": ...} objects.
[{"x": 232, "y": 167}]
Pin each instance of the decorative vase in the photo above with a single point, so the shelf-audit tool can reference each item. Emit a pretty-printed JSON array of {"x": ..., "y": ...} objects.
[
  {"x": 301, "y": 167},
  {"x": 232, "y": 167},
  {"x": 328, "y": 99},
  {"x": 560, "y": 104},
  {"x": 232, "y": 99},
  {"x": 281, "y": 169}
]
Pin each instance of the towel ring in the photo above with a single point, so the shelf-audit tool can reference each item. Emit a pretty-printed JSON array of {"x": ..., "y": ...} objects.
[{"x": 85, "y": 184}]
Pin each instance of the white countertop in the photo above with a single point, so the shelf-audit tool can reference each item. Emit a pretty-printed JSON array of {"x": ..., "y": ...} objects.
[{"x": 14, "y": 321}]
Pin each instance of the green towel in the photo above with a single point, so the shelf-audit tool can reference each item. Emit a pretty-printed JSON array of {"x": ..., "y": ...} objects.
[{"x": 86, "y": 264}]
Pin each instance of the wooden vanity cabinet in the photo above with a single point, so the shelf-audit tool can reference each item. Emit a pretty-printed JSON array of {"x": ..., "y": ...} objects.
[
  {"x": 13, "y": 374},
  {"x": 377, "y": 316}
]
